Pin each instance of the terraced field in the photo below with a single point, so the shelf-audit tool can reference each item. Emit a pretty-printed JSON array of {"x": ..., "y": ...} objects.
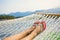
[{"x": 14, "y": 26}]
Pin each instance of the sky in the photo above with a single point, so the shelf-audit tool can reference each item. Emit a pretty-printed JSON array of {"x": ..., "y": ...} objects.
[{"x": 7, "y": 6}]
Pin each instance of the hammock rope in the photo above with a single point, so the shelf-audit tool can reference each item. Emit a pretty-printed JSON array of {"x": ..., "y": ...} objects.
[{"x": 12, "y": 27}]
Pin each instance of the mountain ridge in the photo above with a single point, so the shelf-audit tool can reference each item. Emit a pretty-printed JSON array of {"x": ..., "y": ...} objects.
[{"x": 17, "y": 14}]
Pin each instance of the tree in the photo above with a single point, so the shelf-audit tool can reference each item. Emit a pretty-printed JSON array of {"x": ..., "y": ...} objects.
[{"x": 6, "y": 17}]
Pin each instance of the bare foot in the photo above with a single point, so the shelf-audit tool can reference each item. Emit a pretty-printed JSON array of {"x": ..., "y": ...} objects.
[{"x": 39, "y": 28}]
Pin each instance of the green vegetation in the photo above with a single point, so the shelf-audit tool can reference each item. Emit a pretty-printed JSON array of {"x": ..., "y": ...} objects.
[
  {"x": 6, "y": 17},
  {"x": 2, "y": 17}
]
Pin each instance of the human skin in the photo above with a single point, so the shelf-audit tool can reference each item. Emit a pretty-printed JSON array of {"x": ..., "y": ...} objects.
[{"x": 28, "y": 34}]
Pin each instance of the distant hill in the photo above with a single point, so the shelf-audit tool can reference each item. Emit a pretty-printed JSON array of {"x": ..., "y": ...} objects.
[
  {"x": 54, "y": 10},
  {"x": 22, "y": 14},
  {"x": 18, "y": 14}
]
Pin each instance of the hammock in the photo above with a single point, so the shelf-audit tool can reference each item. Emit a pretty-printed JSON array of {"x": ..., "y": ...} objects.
[{"x": 15, "y": 26}]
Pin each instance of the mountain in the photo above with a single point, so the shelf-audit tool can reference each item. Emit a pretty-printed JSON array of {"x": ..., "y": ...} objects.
[
  {"x": 39, "y": 10},
  {"x": 21, "y": 14},
  {"x": 54, "y": 10},
  {"x": 18, "y": 14}
]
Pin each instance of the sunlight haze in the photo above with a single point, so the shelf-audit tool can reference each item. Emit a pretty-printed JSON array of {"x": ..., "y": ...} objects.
[{"x": 7, "y": 6}]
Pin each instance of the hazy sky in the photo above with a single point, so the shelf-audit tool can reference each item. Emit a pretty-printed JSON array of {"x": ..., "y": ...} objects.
[{"x": 7, "y": 6}]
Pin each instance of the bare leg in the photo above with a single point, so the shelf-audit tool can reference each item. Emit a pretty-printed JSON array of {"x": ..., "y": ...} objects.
[
  {"x": 37, "y": 30},
  {"x": 23, "y": 35},
  {"x": 20, "y": 35}
]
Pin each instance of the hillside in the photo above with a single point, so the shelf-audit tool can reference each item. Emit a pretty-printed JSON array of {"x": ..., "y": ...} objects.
[{"x": 22, "y": 14}]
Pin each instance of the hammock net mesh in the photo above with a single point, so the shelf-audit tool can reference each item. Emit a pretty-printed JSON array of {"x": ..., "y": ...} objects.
[{"x": 15, "y": 26}]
